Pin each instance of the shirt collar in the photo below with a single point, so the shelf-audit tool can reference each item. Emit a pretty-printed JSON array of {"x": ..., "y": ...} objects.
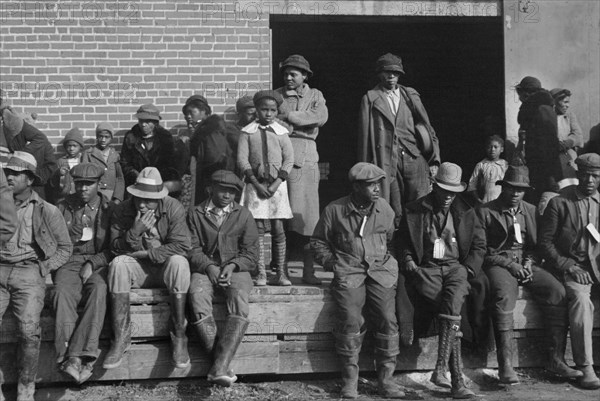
[
  {"x": 211, "y": 206},
  {"x": 33, "y": 197},
  {"x": 254, "y": 127},
  {"x": 300, "y": 92},
  {"x": 351, "y": 207},
  {"x": 580, "y": 196},
  {"x": 506, "y": 209}
]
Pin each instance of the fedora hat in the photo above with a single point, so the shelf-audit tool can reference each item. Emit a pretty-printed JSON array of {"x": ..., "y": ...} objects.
[
  {"x": 448, "y": 178},
  {"x": 149, "y": 185},
  {"x": 516, "y": 176},
  {"x": 23, "y": 161},
  {"x": 296, "y": 61}
]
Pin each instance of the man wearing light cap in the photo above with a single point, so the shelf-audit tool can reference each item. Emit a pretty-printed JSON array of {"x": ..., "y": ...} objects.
[
  {"x": 442, "y": 246},
  {"x": 82, "y": 280},
  {"x": 39, "y": 245},
  {"x": 570, "y": 244},
  {"x": 224, "y": 252},
  {"x": 351, "y": 239},
  {"x": 151, "y": 239}
]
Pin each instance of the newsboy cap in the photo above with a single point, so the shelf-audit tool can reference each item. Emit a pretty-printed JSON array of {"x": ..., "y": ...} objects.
[
  {"x": 389, "y": 62},
  {"x": 86, "y": 172},
  {"x": 588, "y": 161},
  {"x": 365, "y": 172},
  {"x": 528, "y": 83},
  {"x": 296, "y": 61},
  {"x": 148, "y": 112},
  {"x": 227, "y": 179},
  {"x": 268, "y": 94},
  {"x": 24, "y": 161}
]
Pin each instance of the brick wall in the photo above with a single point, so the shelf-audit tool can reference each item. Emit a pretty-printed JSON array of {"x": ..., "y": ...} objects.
[{"x": 77, "y": 63}]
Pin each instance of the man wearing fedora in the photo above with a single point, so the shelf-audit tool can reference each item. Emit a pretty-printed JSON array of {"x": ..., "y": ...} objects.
[
  {"x": 151, "y": 239},
  {"x": 224, "y": 252},
  {"x": 570, "y": 245},
  {"x": 39, "y": 245},
  {"x": 148, "y": 144},
  {"x": 512, "y": 260},
  {"x": 82, "y": 280},
  {"x": 353, "y": 239},
  {"x": 442, "y": 246}
]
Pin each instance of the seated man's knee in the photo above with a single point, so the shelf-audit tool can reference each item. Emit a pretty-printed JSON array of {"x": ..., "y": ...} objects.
[
  {"x": 237, "y": 303},
  {"x": 119, "y": 273},
  {"x": 177, "y": 274}
]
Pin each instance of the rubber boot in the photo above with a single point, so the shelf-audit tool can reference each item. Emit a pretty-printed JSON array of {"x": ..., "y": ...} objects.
[
  {"x": 28, "y": 365},
  {"x": 506, "y": 373},
  {"x": 179, "y": 341},
  {"x": 121, "y": 325},
  {"x": 225, "y": 349},
  {"x": 278, "y": 251},
  {"x": 449, "y": 326},
  {"x": 206, "y": 329},
  {"x": 557, "y": 318},
  {"x": 386, "y": 350},
  {"x": 348, "y": 347},
  {"x": 459, "y": 390},
  {"x": 261, "y": 278},
  {"x": 589, "y": 380},
  {"x": 308, "y": 271},
  {"x": 25, "y": 391}
]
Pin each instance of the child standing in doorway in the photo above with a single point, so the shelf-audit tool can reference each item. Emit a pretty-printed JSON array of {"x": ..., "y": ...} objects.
[{"x": 489, "y": 170}]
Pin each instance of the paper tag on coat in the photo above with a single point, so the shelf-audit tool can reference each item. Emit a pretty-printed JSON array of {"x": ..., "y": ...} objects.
[
  {"x": 518, "y": 236},
  {"x": 593, "y": 232},
  {"x": 87, "y": 234},
  {"x": 439, "y": 249},
  {"x": 362, "y": 226}
]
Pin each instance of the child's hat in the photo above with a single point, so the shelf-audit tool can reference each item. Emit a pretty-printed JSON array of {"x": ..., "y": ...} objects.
[
  {"x": 74, "y": 134},
  {"x": 268, "y": 94},
  {"x": 105, "y": 127}
]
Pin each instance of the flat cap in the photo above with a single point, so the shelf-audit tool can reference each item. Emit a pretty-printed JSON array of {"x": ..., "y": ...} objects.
[
  {"x": 268, "y": 94},
  {"x": 296, "y": 61},
  {"x": 227, "y": 179},
  {"x": 243, "y": 103},
  {"x": 148, "y": 112},
  {"x": 86, "y": 172},
  {"x": 365, "y": 172},
  {"x": 389, "y": 62},
  {"x": 105, "y": 127},
  {"x": 528, "y": 83},
  {"x": 588, "y": 161}
]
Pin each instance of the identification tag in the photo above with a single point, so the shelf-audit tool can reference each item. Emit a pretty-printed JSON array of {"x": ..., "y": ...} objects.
[
  {"x": 439, "y": 249},
  {"x": 87, "y": 234},
  {"x": 593, "y": 232},
  {"x": 518, "y": 236}
]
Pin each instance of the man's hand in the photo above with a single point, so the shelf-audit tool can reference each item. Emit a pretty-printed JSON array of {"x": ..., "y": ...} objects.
[
  {"x": 517, "y": 270},
  {"x": 143, "y": 223},
  {"x": 85, "y": 272},
  {"x": 212, "y": 272},
  {"x": 410, "y": 267},
  {"x": 580, "y": 276},
  {"x": 226, "y": 273},
  {"x": 433, "y": 169},
  {"x": 139, "y": 255}
]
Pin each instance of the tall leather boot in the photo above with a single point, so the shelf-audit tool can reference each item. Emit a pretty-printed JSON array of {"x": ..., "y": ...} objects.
[
  {"x": 206, "y": 329},
  {"x": 121, "y": 325},
  {"x": 278, "y": 251},
  {"x": 459, "y": 390},
  {"x": 348, "y": 347},
  {"x": 179, "y": 341},
  {"x": 28, "y": 366},
  {"x": 308, "y": 270},
  {"x": 449, "y": 326},
  {"x": 261, "y": 278},
  {"x": 503, "y": 333},
  {"x": 225, "y": 349},
  {"x": 557, "y": 318},
  {"x": 386, "y": 350}
]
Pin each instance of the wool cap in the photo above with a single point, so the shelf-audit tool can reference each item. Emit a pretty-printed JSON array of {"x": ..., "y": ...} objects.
[
  {"x": 74, "y": 134},
  {"x": 528, "y": 83},
  {"x": 148, "y": 112},
  {"x": 588, "y": 161},
  {"x": 105, "y": 127},
  {"x": 23, "y": 161},
  {"x": 389, "y": 62},
  {"x": 296, "y": 61},
  {"x": 268, "y": 94},
  {"x": 516, "y": 176},
  {"x": 148, "y": 185},
  {"x": 227, "y": 179},
  {"x": 243, "y": 103},
  {"x": 365, "y": 172},
  {"x": 448, "y": 177},
  {"x": 196, "y": 100},
  {"x": 86, "y": 172}
]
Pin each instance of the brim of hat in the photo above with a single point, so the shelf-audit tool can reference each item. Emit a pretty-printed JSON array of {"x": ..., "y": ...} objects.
[
  {"x": 452, "y": 188},
  {"x": 37, "y": 180},
  {"x": 391, "y": 68},
  {"x": 308, "y": 72},
  {"x": 83, "y": 179},
  {"x": 146, "y": 116},
  {"x": 514, "y": 184},
  {"x": 232, "y": 186},
  {"x": 147, "y": 195}
]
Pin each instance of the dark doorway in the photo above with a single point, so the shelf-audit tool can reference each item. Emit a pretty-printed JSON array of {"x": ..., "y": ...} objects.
[{"x": 455, "y": 63}]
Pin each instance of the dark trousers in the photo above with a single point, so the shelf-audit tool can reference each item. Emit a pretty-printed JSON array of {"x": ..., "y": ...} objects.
[
  {"x": 444, "y": 286},
  {"x": 545, "y": 288},
  {"x": 369, "y": 299},
  {"x": 411, "y": 181},
  {"x": 23, "y": 287},
  {"x": 237, "y": 295},
  {"x": 77, "y": 334}
]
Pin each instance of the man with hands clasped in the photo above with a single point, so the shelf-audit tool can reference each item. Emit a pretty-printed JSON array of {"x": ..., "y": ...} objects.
[
  {"x": 224, "y": 251},
  {"x": 149, "y": 234}
]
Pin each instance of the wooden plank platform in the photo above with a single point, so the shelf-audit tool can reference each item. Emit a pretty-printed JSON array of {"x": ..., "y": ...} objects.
[{"x": 290, "y": 332}]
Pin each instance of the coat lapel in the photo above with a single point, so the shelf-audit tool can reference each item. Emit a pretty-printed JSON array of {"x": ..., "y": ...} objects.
[{"x": 380, "y": 103}]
